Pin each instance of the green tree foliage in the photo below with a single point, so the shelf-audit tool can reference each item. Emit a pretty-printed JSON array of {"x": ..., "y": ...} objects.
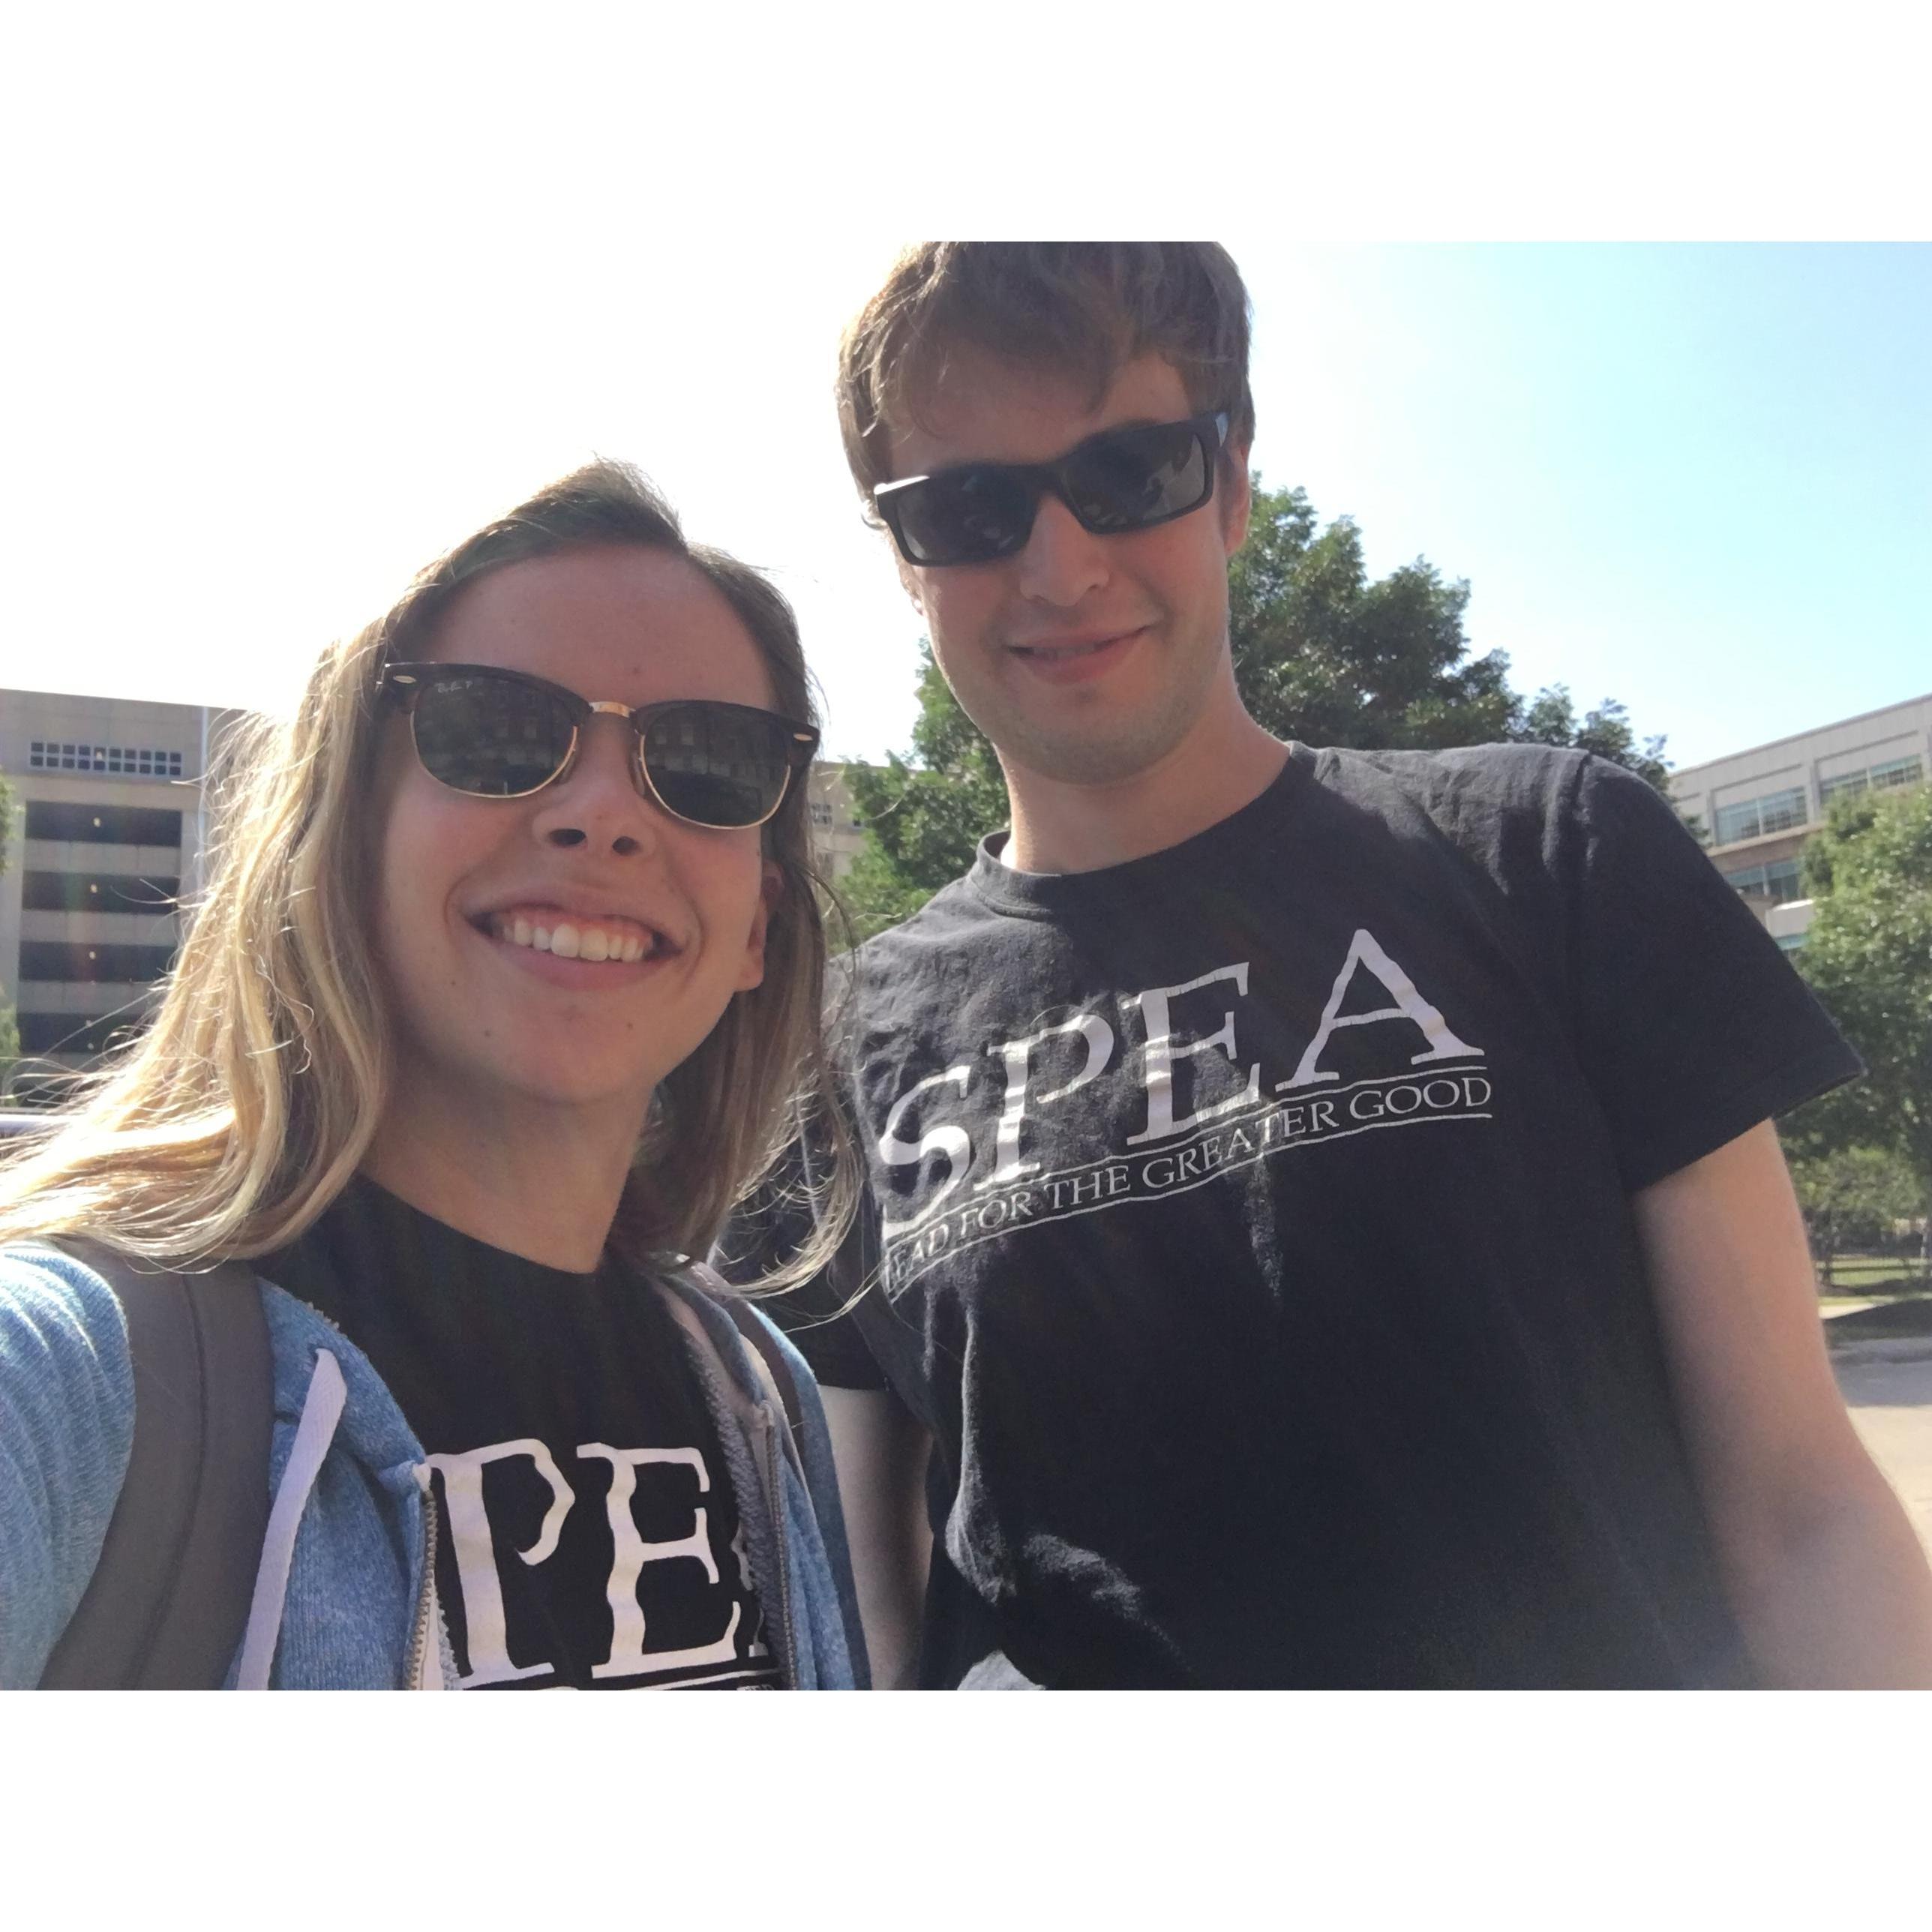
[
  {"x": 923, "y": 817},
  {"x": 1847, "y": 819},
  {"x": 1550, "y": 718},
  {"x": 1868, "y": 957},
  {"x": 1321, "y": 653},
  {"x": 1852, "y": 1197}
]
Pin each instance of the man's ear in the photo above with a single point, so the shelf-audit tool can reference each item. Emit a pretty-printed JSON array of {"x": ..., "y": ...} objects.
[
  {"x": 1237, "y": 499},
  {"x": 751, "y": 971}
]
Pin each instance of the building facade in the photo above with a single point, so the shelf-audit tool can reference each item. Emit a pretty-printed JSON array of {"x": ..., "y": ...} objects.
[
  {"x": 107, "y": 836},
  {"x": 837, "y": 836},
  {"x": 1758, "y": 807}
]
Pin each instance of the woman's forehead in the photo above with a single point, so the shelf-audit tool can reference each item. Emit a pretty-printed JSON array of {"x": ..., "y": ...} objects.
[{"x": 639, "y": 624}]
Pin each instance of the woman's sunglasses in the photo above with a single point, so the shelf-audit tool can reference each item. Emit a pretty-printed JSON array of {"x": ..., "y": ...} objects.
[
  {"x": 1121, "y": 480},
  {"x": 495, "y": 734}
]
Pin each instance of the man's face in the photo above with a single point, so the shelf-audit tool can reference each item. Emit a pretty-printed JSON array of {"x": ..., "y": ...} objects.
[{"x": 1085, "y": 659}]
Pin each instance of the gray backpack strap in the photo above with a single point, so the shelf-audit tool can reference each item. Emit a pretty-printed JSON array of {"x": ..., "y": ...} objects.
[{"x": 169, "y": 1597}]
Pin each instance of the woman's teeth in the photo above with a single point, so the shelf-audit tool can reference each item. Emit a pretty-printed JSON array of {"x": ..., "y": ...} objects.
[{"x": 577, "y": 939}]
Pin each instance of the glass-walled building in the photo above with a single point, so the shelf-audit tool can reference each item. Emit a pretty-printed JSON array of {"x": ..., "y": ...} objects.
[
  {"x": 107, "y": 836},
  {"x": 1759, "y": 806}
]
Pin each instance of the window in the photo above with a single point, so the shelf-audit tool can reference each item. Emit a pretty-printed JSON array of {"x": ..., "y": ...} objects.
[
  {"x": 102, "y": 824},
  {"x": 75, "y": 960},
  {"x": 1775, "y": 811},
  {"x": 121, "y": 760},
  {"x": 1873, "y": 778},
  {"x": 821, "y": 814},
  {"x": 73, "y": 1033},
  {"x": 1779, "y": 881},
  {"x": 96, "y": 892}
]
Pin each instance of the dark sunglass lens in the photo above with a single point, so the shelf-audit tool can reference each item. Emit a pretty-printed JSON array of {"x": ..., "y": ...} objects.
[
  {"x": 969, "y": 515},
  {"x": 1136, "y": 477},
  {"x": 721, "y": 765},
  {"x": 492, "y": 737}
]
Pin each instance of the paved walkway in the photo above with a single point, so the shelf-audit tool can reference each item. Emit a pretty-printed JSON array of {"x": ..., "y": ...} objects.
[{"x": 1888, "y": 1385}]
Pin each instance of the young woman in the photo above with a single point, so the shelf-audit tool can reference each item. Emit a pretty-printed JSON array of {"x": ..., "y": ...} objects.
[{"x": 509, "y": 967}]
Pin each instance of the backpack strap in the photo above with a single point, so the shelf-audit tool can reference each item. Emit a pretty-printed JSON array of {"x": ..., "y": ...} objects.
[{"x": 169, "y": 1599}]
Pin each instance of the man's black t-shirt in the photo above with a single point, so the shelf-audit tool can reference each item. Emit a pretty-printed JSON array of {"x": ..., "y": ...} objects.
[
  {"x": 1258, "y": 1215},
  {"x": 588, "y": 1534}
]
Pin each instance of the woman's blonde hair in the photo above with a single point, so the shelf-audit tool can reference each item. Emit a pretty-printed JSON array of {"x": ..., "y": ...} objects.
[{"x": 245, "y": 1105}]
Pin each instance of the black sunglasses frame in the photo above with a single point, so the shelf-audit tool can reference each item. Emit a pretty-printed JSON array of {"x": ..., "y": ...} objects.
[
  {"x": 403, "y": 684},
  {"x": 889, "y": 498}
]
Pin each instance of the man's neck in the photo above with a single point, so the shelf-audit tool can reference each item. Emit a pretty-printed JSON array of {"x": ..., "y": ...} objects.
[{"x": 1062, "y": 827}]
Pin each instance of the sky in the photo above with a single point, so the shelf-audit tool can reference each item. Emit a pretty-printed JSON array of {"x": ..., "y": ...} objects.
[{"x": 272, "y": 348}]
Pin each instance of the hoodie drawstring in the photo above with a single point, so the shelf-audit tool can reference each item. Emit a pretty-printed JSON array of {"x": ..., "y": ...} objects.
[{"x": 322, "y": 1410}]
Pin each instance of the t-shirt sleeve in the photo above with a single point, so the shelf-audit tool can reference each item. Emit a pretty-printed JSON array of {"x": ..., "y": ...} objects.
[
  {"x": 766, "y": 1232},
  {"x": 1692, "y": 1026}
]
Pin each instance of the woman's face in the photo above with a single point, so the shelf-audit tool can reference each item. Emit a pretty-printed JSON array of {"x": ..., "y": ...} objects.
[{"x": 486, "y": 1025}]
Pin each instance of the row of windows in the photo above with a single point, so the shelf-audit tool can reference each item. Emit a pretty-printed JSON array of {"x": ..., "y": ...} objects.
[
  {"x": 69, "y": 1032},
  {"x": 96, "y": 892},
  {"x": 821, "y": 816},
  {"x": 123, "y": 760},
  {"x": 75, "y": 960},
  {"x": 1779, "y": 881},
  {"x": 1775, "y": 811},
  {"x": 102, "y": 824},
  {"x": 1785, "y": 810},
  {"x": 1873, "y": 778}
]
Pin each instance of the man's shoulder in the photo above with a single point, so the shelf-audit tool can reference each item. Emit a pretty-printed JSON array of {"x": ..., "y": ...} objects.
[
  {"x": 945, "y": 924},
  {"x": 1537, "y": 777}
]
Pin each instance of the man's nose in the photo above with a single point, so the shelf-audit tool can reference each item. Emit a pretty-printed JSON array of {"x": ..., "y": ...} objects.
[{"x": 1062, "y": 561}]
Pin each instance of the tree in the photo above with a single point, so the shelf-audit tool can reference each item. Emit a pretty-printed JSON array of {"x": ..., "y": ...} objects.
[
  {"x": 1321, "y": 653},
  {"x": 1868, "y": 957},
  {"x": 1550, "y": 718},
  {"x": 925, "y": 818},
  {"x": 1852, "y": 1196}
]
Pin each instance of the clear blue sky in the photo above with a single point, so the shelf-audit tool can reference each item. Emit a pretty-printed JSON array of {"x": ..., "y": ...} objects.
[
  {"x": 1695, "y": 479},
  {"x": 1698, "y": 478}
]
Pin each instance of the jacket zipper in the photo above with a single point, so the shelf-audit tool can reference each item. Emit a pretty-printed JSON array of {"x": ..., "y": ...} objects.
[
  {"x": 420, "y": 1639},
  {"x": 776, "y": 1495}
]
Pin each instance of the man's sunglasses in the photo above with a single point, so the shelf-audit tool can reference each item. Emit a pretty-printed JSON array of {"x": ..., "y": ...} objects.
[
  {"x": 1121, "y": 480},
  {"x": 496, "y": 733}
]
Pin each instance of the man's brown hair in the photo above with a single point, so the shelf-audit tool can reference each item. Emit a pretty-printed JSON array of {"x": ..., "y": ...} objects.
[{"x": 1083, "y": 308}]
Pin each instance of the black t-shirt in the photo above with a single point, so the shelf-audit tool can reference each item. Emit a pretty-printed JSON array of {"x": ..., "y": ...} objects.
[
  {"x": 589, "y": 1536},
  {"x": 1258, "y": 1215}
]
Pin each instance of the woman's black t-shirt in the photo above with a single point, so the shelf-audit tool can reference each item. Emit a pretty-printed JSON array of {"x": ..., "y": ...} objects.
[{"x": 588, "y": 1534}]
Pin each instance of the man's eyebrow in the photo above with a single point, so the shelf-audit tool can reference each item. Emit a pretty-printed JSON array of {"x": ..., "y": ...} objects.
[{"x": 1011, "y": 462}]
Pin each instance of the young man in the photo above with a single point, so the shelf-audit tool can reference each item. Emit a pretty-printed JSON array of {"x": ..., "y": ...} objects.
[{"x": 1324, "y": 1211}]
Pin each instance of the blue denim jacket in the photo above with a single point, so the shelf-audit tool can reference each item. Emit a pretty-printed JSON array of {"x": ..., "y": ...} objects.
[{"x": 359, "y": 1610}]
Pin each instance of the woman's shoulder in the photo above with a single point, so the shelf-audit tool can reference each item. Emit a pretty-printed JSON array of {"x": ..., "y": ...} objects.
[
  {"x": 67, "y": 1420},
  {"x": 59, "y": 1320}
]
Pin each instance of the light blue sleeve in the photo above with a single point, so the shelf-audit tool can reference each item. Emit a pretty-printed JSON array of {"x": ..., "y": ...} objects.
[{"x": 67, "y": 1426}]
